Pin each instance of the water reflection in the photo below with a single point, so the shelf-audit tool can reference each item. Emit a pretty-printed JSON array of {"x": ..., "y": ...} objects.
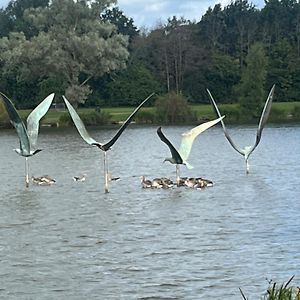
[{"x": 71, "y": 241}]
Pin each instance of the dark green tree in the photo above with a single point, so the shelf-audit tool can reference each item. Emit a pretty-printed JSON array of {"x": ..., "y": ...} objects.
[
  {"x": 131, "y": 85},
  {"x": 124, "y": 24},
  {"x": 251, "y": 88},
  {"x": 5, "y": 23},
  {"x": 280, "y": 68},
  {"x": 240, "y": 19},
  {"x": 15, "y": 12},
  {"x": 211, "y": 27}
]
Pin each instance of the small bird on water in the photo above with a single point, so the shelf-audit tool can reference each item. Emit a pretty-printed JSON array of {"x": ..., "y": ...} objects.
[{"x": 43, "y": 180}]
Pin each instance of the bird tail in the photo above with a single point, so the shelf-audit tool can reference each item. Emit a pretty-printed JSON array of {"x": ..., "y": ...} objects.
[{"x": 189, "y": 166}]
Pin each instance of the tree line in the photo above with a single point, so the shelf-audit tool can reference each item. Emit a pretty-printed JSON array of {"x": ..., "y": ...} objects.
[{"x": 96, "y": 56}]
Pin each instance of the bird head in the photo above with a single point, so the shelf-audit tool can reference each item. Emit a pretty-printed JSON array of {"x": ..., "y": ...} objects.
[
  {"x": 36, "y": 151},
  {"x": 169, "y": 159}
]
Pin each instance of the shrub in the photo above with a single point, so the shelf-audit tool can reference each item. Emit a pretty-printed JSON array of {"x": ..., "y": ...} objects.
[
  {"x": 232, "y": 115},
  {"x": 277, "y": 115},
  {"x": 145, "y": 117},
  {"x": 296, "y": 112},
  {"x": 173, "y": 109},
  {"x": 65, "y": 120},
  {"x": 4, "y": 119},
  {"x": 93, "y": 118}
]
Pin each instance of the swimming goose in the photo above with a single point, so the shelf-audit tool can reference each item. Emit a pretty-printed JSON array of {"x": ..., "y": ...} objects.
[
  {"x": 145, "y": 182},
  {"x": 43, "y": 180}
]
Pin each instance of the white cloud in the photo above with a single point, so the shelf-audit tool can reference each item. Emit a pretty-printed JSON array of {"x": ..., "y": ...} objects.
[{"x": 149, "y": 12}]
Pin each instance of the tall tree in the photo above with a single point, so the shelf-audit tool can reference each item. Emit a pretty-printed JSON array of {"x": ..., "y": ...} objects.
[
  {"x": 251, "y": 88},
  {"x": 15, "y": 12},
  {"x": 240, "y": 20},
  {"x": 124, "y": 24},
  {"x": 211, "y": 27},
  {"x": 73, "y": 44}
]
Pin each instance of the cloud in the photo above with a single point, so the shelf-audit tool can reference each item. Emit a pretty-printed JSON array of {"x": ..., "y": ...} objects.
[{"x": 149, "y": 12}]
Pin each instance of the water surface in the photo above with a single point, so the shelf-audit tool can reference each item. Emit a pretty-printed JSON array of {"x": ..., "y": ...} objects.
[{"x": 72, "y": 241}]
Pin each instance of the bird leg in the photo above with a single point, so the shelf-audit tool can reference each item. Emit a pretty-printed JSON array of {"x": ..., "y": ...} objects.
[
  {"x": 26, "y": 172},
  {"x": 177, "y": 175},
  {"x": 247, "y": 166},
  {"x": 105, "y": 173}
]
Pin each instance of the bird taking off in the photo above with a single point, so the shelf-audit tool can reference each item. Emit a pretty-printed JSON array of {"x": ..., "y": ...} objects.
[
  {"x": 246, "y": 152},
  {"x": 104, "y": 147},
  {"x": 27, "y": 136},
  {"x": 180, "y": 157}
]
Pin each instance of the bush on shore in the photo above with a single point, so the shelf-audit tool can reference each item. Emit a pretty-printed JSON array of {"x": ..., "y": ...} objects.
[{"x": 93, "y": 118}]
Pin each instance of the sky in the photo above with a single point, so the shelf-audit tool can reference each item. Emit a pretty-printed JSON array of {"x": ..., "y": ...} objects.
[{"x": 149, "y": 13}]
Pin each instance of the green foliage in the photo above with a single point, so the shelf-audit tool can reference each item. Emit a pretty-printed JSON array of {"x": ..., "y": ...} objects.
[
  {"x": 283, "y": 292},
  {"x": 251, "y": 89},
  {"x": 296, "y": 112},
  {"x": 277, "y": 115},
  {"x": 145, "y": 117},
  {"x": 172, "y": 108},
  {"x": 4, "y": 119},
  {"x": 132, "y": 85},
  {"x": 124, "y": 25},
  {"x": 282, "y": 70},
  {"x": 52, "y": 85},
  {"x": 93, "y": 118},
  {"x": 232, "y": 115},
  {"x": 222, "y": 76},
  {"x": 72, "y": 43},
  {"x": 79, "y": 46}
]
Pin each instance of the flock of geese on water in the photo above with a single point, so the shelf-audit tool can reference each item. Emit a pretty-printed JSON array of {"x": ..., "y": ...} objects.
[{"x": 28, "y": 140}]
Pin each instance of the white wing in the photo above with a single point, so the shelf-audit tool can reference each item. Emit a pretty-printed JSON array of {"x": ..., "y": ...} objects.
[
  {"x": 189, "y": 137},
  {"x": 79, "y": 124},
  {"x": 35, "y": 117}
]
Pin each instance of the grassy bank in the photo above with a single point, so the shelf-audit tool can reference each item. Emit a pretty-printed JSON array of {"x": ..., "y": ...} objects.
[{"x": 282, "y": 112}]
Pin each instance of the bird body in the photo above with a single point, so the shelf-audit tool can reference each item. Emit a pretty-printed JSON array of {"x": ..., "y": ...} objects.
[
  {"x": 43, "y": 180},
  {"x": 88, "y": 139},
  {"x": 157, "y": 183},
  {"x": 180, "y": 157},
  {"x": 188, "y": 138},
  {"x": 198, "y": 183},
  {"x": 146, "y": 183},
  {"x": 27, "y": 136},
  {"x": 248, "y": 150},
  {"x": 79, "y": 178}
]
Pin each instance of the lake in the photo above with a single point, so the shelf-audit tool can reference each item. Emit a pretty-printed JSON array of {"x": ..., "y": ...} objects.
[{"x": 72, "y": 241}]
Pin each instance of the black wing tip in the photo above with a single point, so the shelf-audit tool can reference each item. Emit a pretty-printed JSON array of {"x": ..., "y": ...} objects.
[{"x": 159, "y": 131}]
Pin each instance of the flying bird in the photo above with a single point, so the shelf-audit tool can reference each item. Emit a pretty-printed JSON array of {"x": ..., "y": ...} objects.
[
  {"x": 104, "y": 147},
  {"x": 246, "y": 152},
  {"x": 180, "y": 157},
  {"x": 27, "y": 136}
]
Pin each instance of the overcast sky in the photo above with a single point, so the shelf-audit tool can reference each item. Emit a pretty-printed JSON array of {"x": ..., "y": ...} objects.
[{"x": 149, "y": 13}]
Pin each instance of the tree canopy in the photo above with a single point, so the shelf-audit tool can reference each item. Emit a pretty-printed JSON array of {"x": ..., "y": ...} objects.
[{"x": 92, "y": 50}]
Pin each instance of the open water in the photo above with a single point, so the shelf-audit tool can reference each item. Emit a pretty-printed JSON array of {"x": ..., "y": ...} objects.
[{"x": 72, "y": 241}]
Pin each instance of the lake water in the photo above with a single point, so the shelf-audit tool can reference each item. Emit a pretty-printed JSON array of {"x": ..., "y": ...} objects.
[{"x": 72, "y": 241}]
